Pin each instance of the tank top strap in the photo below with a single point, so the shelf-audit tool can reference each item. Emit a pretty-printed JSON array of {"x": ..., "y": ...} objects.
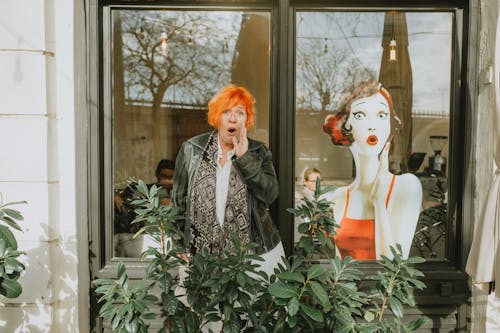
[
  {"x": 390, "y": 191},
  {"x": 346, "y": 202}
]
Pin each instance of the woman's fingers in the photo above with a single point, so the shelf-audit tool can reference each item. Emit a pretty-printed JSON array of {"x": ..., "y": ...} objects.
[{"x": 241, "y": 144}]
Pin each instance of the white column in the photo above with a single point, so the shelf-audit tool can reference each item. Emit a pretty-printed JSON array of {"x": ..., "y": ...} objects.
[{"x": 37, "y": 147}]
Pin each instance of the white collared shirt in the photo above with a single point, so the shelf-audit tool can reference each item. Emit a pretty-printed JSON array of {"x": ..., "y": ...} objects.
[{"x": 222, "y": 183}]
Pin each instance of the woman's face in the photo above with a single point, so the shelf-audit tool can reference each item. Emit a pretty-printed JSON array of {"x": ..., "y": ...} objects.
[
  {"x": 371, "y": 123},
  {"x": 231, "y": 122}
]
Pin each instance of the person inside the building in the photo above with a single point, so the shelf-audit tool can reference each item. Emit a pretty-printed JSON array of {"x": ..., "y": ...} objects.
[
  {"x": 378, "y": 209},
  {"x": 306, "y": 192},
  {"x": 309, "y": 181},
  {"x": 224, "y": 182},
  {"x": 165, "y": 178}
]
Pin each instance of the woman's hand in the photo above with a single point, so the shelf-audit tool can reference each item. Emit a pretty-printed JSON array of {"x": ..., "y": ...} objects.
[
  {"x": 185, "y": 257},
  {"x": 241, "y": 144}
]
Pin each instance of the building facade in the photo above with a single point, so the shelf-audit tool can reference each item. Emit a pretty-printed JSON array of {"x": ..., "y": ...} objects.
[{"x": 77, "y": 124}]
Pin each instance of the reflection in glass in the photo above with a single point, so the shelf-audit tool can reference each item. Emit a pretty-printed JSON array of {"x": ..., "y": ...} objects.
[
  {"x": 166, "y": 64},
  {"x": 337, "y": 50}
]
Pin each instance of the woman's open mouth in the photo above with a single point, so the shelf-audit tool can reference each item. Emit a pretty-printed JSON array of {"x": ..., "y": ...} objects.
[
  {"x": 231, "y": 130},
  {"x": 372, "y": 140}
]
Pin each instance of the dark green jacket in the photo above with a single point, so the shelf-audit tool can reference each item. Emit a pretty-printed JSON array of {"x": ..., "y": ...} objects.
[{"x": 256, "y": 169}]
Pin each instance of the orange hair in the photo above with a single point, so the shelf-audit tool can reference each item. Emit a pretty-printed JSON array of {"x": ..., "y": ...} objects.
[{"x": 229, "y": 96}]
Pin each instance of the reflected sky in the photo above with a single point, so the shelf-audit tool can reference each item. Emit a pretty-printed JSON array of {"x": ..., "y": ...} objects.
[
  {"x": 213, "y": 36},
  {"x": 360, "y": 34}
]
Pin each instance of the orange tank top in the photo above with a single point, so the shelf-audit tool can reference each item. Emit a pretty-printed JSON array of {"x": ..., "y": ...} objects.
[{"x": 356, "y": 238}]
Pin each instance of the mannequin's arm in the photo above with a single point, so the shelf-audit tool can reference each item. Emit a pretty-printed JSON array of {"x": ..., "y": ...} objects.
[
  {"x": 405, "y": 210},
  {"x": 384, "y": 233}
]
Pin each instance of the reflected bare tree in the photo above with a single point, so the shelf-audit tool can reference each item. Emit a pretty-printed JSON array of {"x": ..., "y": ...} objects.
[
  {"x": 326, "y": 73},
  {"x": 179, "y": 56},
  {"x": 327, "y": 66}
]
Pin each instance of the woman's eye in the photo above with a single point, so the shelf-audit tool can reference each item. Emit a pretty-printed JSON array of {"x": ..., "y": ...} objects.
[
  {"x": 359, "y": 115},
  {"x": 382, "y": 115}
]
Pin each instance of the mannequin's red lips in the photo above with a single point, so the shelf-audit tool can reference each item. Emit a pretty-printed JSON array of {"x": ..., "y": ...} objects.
[{"x": 372, "y": 140}]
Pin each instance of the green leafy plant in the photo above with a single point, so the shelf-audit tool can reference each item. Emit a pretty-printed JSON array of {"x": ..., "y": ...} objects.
[
  {"x": 126, "y": 307},
  {"x": 228, "y": 289},
  {"x": 327, "y": 297},
  {"x": 130, "y": 315},
  {"x": 394, "y": 288},
  {"x": 10, "y": 267},
  {"x": 227, "y": 292},
  {"x": 318, "y": 227}
]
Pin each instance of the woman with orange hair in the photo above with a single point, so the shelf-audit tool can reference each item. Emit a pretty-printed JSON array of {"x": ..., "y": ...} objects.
[
  {"x": 224, "y": 182},
  {"x": 378, "y": 209}
]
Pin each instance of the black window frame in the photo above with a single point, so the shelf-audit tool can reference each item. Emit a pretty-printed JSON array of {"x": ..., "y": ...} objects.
[
  {"x": 281, "y": 122},
  {"x": 103, "y": 262}
]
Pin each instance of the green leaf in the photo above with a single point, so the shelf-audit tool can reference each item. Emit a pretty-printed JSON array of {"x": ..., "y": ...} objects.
[
  {"x": 10, "y": 288},
  {"x": 415, "y": 260},
  {"x": 115, "y": 322},
  {"x": 15, "y": 214},
  {"x": 396, "y": 307},
  {"x": 311, "y": 312},
  {"x": 293, "y": 306},
  {"x": 369, "y": 316},
  {"x": 416, "y": 324},
  {"x": 283, "y": 290},
  {"x": 414, "y": 272},
  {"x": 13, "y": 203},
  {"x": 320, "y": 294},
  {"x": 232, "y": 326},
  {"x": 120, "y": 270},
  {"x": 142, "y": 187},
  {"x": 292, "y": 321},
  {"x": 315, "y": 271},
  {"x": 291, "y": 276},
  {"x": 10, "y": 222},
  {"x": 8, "y": 237},
  {"x": 170, "y": 303},
  {"x": 344, "y": 316}
]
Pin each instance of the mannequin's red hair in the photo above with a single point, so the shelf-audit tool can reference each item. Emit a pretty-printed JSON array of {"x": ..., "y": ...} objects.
[{"x": 229, "y": 96}]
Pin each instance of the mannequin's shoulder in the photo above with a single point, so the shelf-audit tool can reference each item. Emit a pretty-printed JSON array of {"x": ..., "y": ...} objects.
[
  {"x": 339, "y": 194},
  {"x": 408, "y": 183}
]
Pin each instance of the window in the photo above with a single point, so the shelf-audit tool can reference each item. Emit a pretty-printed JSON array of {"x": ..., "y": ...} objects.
[
  {"x": 410, "y": 53},
  {"x": 165, "y": 66}
]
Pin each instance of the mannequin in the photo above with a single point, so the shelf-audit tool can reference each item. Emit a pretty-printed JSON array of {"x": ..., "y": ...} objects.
[{"x": 378, "y": 209}]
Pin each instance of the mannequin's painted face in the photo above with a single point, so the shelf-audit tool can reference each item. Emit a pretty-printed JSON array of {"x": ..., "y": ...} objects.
[
  {"x": 371, "y": 123},
  {"x": 231, "y": 121},
  {"x": 310, "y": 182}
]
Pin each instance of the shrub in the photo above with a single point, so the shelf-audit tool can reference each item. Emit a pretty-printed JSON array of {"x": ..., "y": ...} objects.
[{"x": 227, "y": 292}]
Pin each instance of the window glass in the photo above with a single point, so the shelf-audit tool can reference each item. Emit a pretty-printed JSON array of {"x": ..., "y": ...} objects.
[
  {"x": 166, "y": 65},
  {"x": 410, "y": 54}
]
